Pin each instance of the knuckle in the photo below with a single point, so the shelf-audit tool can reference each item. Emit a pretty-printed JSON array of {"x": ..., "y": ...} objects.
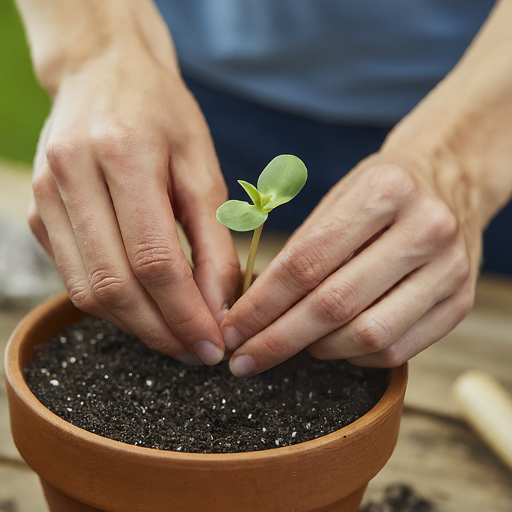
[
  {"x": 393, "y": 177},
  {"x": 156, "y": 265},
  {"x": 391, "y": 358},
  {"x": 194, "y": 126},
  {"x": 389, "y": 183},
  {"x": 81, "y": 296},
  {"x": 106, "y": 286},
  {"x": 114, "y": 139},
  {"x": 250, "y": 316},
  {"x": 61, "y": 154},
  {"x": 336, "y": 305},
  {"x": 214, "y": 187},
  {"x": 186, "y": 326},
  {"x": 278, "y": 348},
  {"x": 304, "y": 268},
  {"x": 441, "y": 224},
  {"x": 461, "y": 267},
  {"x": 215, "y": 191},
  {"x": 375, "y": 335},
  {"x": 43, "y": 185},
  {"x": 230, "y": 271}
]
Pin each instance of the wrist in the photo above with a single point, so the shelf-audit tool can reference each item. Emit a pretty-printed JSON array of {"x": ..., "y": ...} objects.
[
  {"x": 463, "y": 144},
  {"x": 66, "y": 36},
  {"x": 448, "y": 179},
  {"x": 54, "y": 66},
  {"x": 464, "y": 126}
]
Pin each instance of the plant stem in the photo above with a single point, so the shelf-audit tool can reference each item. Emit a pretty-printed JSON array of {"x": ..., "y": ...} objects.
[{"x": 252, "y": 256}]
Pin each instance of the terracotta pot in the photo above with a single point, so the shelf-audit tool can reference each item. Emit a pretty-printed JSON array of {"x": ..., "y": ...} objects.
[{"x": 84, "y": 472}]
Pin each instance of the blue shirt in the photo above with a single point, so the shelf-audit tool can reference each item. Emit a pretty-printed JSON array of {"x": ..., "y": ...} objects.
[{"x": 358, "y": 61}]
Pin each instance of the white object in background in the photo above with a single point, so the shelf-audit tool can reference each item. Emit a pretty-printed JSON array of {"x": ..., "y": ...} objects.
[{"x": 487, "y": 406}]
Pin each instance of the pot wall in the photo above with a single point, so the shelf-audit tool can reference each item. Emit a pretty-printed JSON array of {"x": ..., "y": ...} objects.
[{"x": 118, "y": 477}]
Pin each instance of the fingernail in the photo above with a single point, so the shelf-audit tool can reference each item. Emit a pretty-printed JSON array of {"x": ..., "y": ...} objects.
[
  {"x": 242, "y": 366},
  {"x": 225, "y": 309},
  {"x": 208, "y": 352},
  {"x": 222, "y": 314},
  {"x": 190, "y": 359},
  {"x": 232, "y": 338}
]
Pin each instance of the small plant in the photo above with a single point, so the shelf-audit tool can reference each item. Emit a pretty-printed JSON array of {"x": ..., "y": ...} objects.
[{"x": 280, "y": 181}]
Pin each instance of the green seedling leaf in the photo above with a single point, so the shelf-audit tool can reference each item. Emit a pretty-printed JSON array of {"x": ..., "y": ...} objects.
[
  {"x": 281, "y": 180},
  {"x": 240, "y": 215},
  {"x": 253, "y": 193}
]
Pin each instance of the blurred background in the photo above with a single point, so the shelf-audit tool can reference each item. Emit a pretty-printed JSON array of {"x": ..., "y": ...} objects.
[
  {"x": 23, "y": 103},
  {"x": 25, "y": 272},
  {"x": 438, "y": 454}
]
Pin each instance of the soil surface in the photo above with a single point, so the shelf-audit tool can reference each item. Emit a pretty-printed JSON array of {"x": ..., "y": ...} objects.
[
  {"x": 107, "y": 382},
  {"x": 400, "y": 498}
]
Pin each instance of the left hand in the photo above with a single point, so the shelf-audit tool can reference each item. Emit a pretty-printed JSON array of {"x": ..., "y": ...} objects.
[{"x": 384, "y": 267}]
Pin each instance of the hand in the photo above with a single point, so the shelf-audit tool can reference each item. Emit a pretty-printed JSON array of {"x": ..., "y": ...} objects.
[
  {"x": 384, "y": 267},
  {"x": 124, "y": 151}
]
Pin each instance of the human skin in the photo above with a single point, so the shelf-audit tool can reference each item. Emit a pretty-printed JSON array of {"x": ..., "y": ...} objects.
[
  {"x": 124, "y": 150},
  {"x": 385, "y": 265},
  {"x": 411, "y": 215}
]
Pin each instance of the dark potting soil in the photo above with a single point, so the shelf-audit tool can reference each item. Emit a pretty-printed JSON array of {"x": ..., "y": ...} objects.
[
  {"x": 400, "y": 498},
  {"x": 107, "y": 382}
]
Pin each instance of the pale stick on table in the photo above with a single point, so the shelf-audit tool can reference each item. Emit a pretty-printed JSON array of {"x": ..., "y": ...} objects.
[{"x": 487, "y": 406}]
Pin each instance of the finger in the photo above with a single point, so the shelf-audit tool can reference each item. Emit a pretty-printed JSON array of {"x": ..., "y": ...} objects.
[
  {"x": 300, "y": 267},
  {"x": 41, "y": 169},
  {"x": 39, "y": 229},
  {"x": 111, "y": 280},
  {"x": 381, "y": 325},
  {"x": 62, "y": 243},
  {"x": 68, "y": 261},
  {"x": 149, "y": 234},
  {"x": 46, "y": 206},
  {"x": 331, "y": 305},
  {"x": 433, "y": 326},
  {"x": 216, "y": 265}
]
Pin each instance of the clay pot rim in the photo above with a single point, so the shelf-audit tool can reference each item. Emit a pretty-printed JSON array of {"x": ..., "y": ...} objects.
[{"x": 14, "y": 375}]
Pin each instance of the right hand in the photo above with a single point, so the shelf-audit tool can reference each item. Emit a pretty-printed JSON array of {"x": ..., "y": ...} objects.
[{"x": 125, "y": 150}]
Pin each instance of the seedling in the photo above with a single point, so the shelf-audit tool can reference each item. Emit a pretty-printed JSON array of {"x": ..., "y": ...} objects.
[{"x": 280, "y": 181}]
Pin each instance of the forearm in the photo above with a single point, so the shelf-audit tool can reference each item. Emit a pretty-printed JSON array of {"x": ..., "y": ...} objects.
[
  {"x": 464, "y": 126},
  {"x": 65, "y": 34}
]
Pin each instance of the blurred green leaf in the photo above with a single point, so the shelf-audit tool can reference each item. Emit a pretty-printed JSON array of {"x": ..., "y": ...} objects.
[
  {"x": 240, "y": 215},
  {"x": 23, "y": 103},
  {"x": 281, "y": 180}
]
